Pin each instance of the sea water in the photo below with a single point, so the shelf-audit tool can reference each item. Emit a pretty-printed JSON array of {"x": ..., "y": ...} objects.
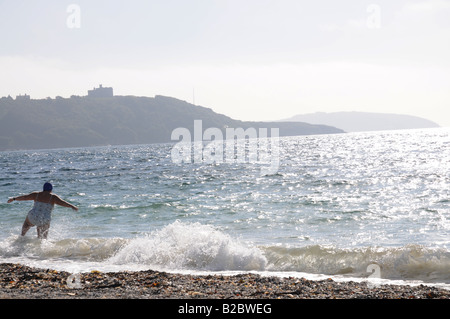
[{"x": 352, "y": 206}]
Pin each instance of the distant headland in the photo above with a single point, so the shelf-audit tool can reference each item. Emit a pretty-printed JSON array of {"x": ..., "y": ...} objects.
[
  {"x": 102, "y": 118},
  {"x": 365, "y": 121}
]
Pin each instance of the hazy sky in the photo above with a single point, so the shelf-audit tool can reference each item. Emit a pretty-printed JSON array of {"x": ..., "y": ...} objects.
[{"x": 248, "y": 59}]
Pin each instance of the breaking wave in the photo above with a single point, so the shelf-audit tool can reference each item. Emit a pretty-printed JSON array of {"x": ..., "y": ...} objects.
[{"x": 197, "y": 247}]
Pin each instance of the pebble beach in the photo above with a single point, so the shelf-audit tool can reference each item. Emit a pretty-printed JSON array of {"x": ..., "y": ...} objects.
[{"x": 23, "y": 282}]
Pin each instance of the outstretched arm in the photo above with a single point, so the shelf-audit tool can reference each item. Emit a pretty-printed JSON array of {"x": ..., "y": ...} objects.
[
  {"x": 61, "y": 202},
  {"x": 31, "y": 196}
]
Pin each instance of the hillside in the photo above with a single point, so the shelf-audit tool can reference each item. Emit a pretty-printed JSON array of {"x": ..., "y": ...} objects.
[
  {"x": 365, "y": 121},
  {"x": 87, "y": 121}
]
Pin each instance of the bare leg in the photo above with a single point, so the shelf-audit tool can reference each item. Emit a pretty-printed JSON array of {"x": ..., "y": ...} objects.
[
  {"x": 43, "y": 231},
  {"x": 26, "y": 226}
]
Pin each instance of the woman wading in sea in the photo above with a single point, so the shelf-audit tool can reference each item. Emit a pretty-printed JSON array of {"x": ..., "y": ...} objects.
[{"x": 41, "y": 213}]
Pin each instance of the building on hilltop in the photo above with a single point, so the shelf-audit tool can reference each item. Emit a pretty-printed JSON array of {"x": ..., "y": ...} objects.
[
  {"x": 24, "y": 97},
  {"x": 100, "y": 92}
]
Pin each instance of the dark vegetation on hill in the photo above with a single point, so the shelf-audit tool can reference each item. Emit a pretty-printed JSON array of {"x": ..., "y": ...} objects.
[{"x": 118, "y": 120}]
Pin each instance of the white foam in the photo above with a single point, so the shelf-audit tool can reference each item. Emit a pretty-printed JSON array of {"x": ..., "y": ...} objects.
[
  {"x": 190, "y": 246},
  {"x": 197, "y": 248},
  {"x": 410, "y": 262}
]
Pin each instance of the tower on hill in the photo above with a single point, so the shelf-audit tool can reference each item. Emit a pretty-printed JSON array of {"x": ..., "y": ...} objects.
[{"x": 101, "y": 92}]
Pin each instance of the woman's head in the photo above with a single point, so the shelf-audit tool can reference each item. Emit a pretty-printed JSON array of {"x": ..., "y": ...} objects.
[{"x": 48, "y": 187}]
